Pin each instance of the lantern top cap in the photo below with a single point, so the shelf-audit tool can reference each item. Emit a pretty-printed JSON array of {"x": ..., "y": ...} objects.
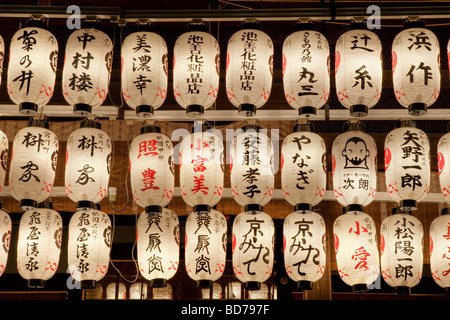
[
  {"x": 90, "y": 124},
  {"x": 413, "y": 22},
  {"x": 353, "y": 125},
  {"x": 445, "y": 211},
  {"x": 150, "y": 129},
  {"x": 353, "y": 207},
  {"x": 150, "y": 209},
  {"x": 36, "y": 22},
  {"x": 403, "y": 123},
  {"x": 304, "y": 25},
  {"x": 250, "y": 127},
  {"x": 39, "y": 122},
  {"x": 308, "y": 127},
  {"x": 358, "y": 24},
  {"x": 303, "y": 207},
  {"x": 45, "y": 205},
  {"x": 197, "y": 26},
  {"x": 143, "y": 25},
  {"x": 251, "y": 24}
]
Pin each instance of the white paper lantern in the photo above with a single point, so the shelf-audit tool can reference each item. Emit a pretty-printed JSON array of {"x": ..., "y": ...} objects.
[
  {"x": 89, "y": 246},
  {"x": 443, "y": 157},
  {"x": 303, "y": 167},
  {"x": 401, "y": 250},
  {"x": 151, "y": 168},
  {"x": 354, "y": 167},
  {"x": 253, "y": 248},
  {"x": 304, "y": 246},
  {"x": 416, "y": 69},
  {"x": 356, "y": 249},
  {"x": 407, "y": 165},
  {"x": 251, "y": 167},
  {"x": 358, "y": 70},
  {"x": 144, "y": 72},
  {"x": 39, "y": 245},
  {"x": 2, "y": 55},
  {"x": 201, "y": 168},
  {"x": 158, "y": 245},
  {"x": 205, "y": 246},
  {"x": 439, "y": 249},
  {"x": 306, "y": 81},
  {"x": 88, "y": 164},
  {"x": 196, "y": 69},
  {"x": 4, "y": 153},
  {"x": 33, "y": 164},
  {"x": 87, "y": 69},
  {"x": 32, "y": 68},
  {"x": 5, "y": 239},
  {"x": 249, "y": 70}
]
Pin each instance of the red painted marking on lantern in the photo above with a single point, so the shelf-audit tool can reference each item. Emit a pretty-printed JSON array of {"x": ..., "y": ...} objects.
[
  {"x": 269, "y": 191},
  {"x": 102, "y": 269},
  {"x": 325, "y": 96},
  {"x": 162, "y": 93},
  {"x": 265, "y": 94},
  {"x": 230, "y": 94},
  {"x": 436, "y": 94},
  {"x": 47, "y": 187},
  {"x": 391, "y": 188},
  {"x": 236, "y": 271},
  {"x": 51, "y": 266},
  {"x": 337, "y": 193},
  {"x": 399, "y": 93},
  {"x": 320, "y": 192},
  {"x": 234, "y": 192},
  {"x": 175, "y": 92},
  {"x": 342, "y": 95},
  {"x": 47, "y": 90},
  {"x": 378, "y": 95},
  {"x": 290, "y": 98},
  {"x": 126, "y": 95},
  {"x": 101, "y": 93},
  {"x": 213, "y": 91},
  {"x": 285, "y": 192},
  {"x": 68, "y": 191},
  {"x": 218, "y": 190}
]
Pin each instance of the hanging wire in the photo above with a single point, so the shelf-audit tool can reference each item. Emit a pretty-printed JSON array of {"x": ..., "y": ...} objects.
[{"x": 114, "y": 44}]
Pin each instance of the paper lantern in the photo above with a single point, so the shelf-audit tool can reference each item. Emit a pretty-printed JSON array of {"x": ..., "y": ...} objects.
[
  {"x": 443, "y": 158},
  {"x": 4, "y": 152},
  {"x": 196, "y": 69},
  {"x": 356, "y": 249},
  {"x": 304, "y": 246},
  {"x": 88, "y": 164},
  {"x": 151, "y": 168},
  {"x": 158, "y": 245},
  {"x": 251, "y": 167},
  {"x": 439, "y": 249},
  {"x": 5, "y": 240},
  {"x": 354, "y": 167},
  {"x": 253, "y": 248},
  {"x": 201, "y": 168},
  {"x": 39, "y": 244},
  {"x": 407, "y": 165},
  {"x": 303, "y": 167},
  {"x": 33, "y": 164},
  {"x": 306, "y": 81},
  {"x": 358, "y": 70},
  {"x": 249, "y": 70},
  {"x": 205, "y": 246},
  {"x": 416, "y": 69},
  {"x": 2, "y": 55},
  {"x": 89, "y": 246},
  {"x": 401, "y": 250},
  {"x": 32, "y": 68},
  {"x": 87, "y": 69},
  {"x": 144, "y": 72}
]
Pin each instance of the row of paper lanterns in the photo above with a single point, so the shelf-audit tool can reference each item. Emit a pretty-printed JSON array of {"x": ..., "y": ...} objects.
[
  {"x": 249, "y": 70},
  {"x": 303, "y": 174}
]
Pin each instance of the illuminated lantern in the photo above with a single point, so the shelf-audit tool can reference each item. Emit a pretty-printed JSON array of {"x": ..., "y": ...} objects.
[
  {"x": 401, "y": 250},
  {"x": 249, "y": 70},
  {"x": 32, "y": 68},
  {"x": 303, "y": 166},
  {"x": 88, "y": 164},
  {"x": 443, "y": 157},
  {"x": 201, "y": 168},
  {"x": 205, "y": 246},
  {"x": 251, "y": 167},
  {"x": 2, "y": 55},
  {"x": 359, "y": 70},
  {"x": 416, "y": 69},
  {"x": 356, "y": 249},
  {"x": 87, "y": 69},
  {"x": 144, "y": 72},
  {"x": 4, "y": 152},
  {"x": 151, "y": 168},
  {"x": 158, "y": 245},
  {"x": 89, "y": 246},
  {"x": 253, "y": 248},
  {"x": 354, "y": 167},
  {"x": 439, "y": 244},
  {"x": 5, "y": 240},
  {"x": 306, "y": 81},
  {"x": 407, "y": 165},
  {"x": 39, "y": 244},
  {"x": 33, "y": 164},
  {"x": 196, "y": 68},
  {"x": 304, "y": 229}
]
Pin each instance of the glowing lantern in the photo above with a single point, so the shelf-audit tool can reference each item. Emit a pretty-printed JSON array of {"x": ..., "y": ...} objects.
[
  {"x": 2, "y": 54},
  {"x": 144, "y": 72},
  {"x": 443, "y": 157},
  {"x": 33, "y": 164},
  {"x": 89, "y": 246},
  {"x": 201, "y": 168},
  {"x": 32, "y": 68},
  {"x": 359, "y": 71},
  {"x": 196, "y": 68},
  {"x": 407, "y": 165},
  {"x": 158, "y": 244},
  {"x": 251, "y": 167},
  {"x": 4, "y": 152},
  {"x": 88, "y": 164},
  {"x": 87, "y": 69},
  {"x": 439, "y": 244},
  {"x": 205, "y": 246},
  {"x": 301, "y": 150},
  {"x": 304, "y": 229},
  {"x": 249, "y": 70},
  {"x": 416, "y": 69},
  {"x": 354, "y": 167},
  {"x": 401, "y": 249},
  {"x": 306, "y": 81},
  {"x": 39, "y": 244},
  {"x": 355, "y": 243},
  {"x": 5, "y": 239},
  {"x": 151, "y": 168}
]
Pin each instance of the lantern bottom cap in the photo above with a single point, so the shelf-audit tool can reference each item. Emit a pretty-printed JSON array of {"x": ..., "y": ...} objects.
[
  {"x": 354, "y": 207},
  {"x": 253, "y": 207},
  {"x": 28, "y": 204},
  {"x": 28, "y": 108},
  {"x": 402, "y": 290},
  {"x": 252, "y": 285},
  {"x": 158, "y": 283},
  {"x": 304, "y": 111},
  {"x": 359, "y": 110},
  {"x": 88, "y": 284},
  {"x": 360, "y": 287},
  {"x": 417, "y": 109},
  {"x": 247, "y": 109},
  {"x": 195, "y": 110},
  {"x": 303, "y": 207},
  {"x": 304, "y": 285},
  {"x": 35, "y": 283},
  {"x": 145, "y": 111},
  {"x": 201, "y": 207},
  {"x": 408, "y": 205},
  {"x": 149, "y": 209},
  {"x": 443, "y": 211},
  {"x": 204, "y": 284},
  {"x": 82, "y": 109}
]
